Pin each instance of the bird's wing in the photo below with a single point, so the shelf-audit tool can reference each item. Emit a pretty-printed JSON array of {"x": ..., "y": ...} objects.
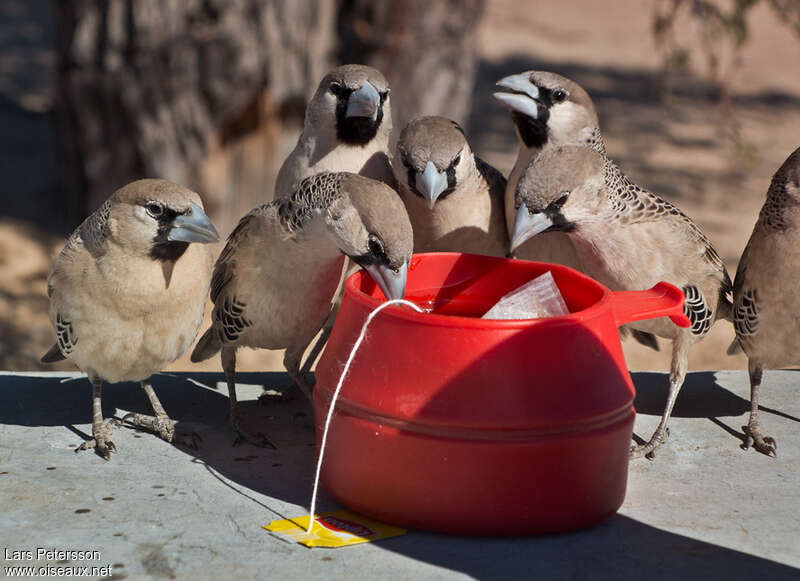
[
  {"x": 93, "y": 232},
  {"x": 745, "y": 307},
  {"x": 634, "y": 204},
  {"x": 495, "y": 179},
  {"x": 225, "y": 266}
]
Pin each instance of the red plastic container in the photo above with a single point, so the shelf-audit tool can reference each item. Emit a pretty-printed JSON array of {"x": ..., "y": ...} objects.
[{"x": 451, "y": 423}]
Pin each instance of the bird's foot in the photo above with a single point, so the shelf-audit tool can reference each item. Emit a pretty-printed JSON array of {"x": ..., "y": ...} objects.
[
  {"x": 164, "y": 428},
  {"x": 753, "y": 437},
  {"x": 242, "y": 434},
  {"x": 101, "y": 440},
  {"x": 648, "y": 450}
]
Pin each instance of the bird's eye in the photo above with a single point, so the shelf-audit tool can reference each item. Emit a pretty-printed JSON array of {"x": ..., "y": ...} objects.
[
  {"x": 154, "y": 209},
  {"x": 384, "y": 95},
  {"x": 559, "y": 95},
  {"x": 560, "y": 200},
  {"x": 456, "y": 160},
  {"x": 375, "y": 246},
  {"x": 335, "y": 88}
]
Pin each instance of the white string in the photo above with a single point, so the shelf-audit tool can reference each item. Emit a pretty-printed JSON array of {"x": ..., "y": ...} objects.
[{"x": 356, "y": 345}]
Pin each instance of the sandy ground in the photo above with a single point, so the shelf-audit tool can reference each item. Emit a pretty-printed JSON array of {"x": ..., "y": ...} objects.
[{"x": 678, "y": 149}]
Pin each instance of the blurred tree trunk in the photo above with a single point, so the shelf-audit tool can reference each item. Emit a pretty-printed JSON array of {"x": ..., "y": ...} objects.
[
  {"x": 211, "y": 93},
  {"x": 426, "y": 49}
]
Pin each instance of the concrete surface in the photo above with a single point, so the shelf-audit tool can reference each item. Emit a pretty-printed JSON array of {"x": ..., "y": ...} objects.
[{"x": 704, "y": 509}]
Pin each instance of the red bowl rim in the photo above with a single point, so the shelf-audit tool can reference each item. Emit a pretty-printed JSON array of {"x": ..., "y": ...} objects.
[{"x": 402, "y": 312}]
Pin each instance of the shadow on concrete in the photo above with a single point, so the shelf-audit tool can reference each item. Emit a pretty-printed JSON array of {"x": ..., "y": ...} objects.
[
  {"x": 621, "y": 548},
  {"x": 285, "y": 473},
  {"x": 700, "y": 397}
]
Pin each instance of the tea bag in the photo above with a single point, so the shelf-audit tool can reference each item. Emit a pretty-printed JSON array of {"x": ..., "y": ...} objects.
[{"x": 535, "y": 299}]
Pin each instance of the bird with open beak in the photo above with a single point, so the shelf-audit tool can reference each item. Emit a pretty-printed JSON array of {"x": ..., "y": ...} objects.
[
  {"x": 628, "y": 239},
  {"x": 547, "y": 110},
  {"x": 454, "y": 199},
  {"x": 347, "y": 126},
  {"x": 127, "y": 295},
  {"x": 274, "y": 281}
]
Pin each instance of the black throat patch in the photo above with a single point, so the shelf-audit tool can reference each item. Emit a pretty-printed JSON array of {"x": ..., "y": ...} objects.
[
  {"x": 162, "y": 248},
  {"x": 356, "y": 130},
  {"x": 533, "y": 132}
]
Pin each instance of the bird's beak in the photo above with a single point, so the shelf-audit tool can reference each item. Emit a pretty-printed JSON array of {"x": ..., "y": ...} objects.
[
  {"x": 527, "y": 225},
  {"x": 393, "y": 284},
  {"x": 193, "y": 226},
  {"x": 431, "y": 183},
  {"x": 523, "y": 96},
  {"x": 364, "y": 102}
]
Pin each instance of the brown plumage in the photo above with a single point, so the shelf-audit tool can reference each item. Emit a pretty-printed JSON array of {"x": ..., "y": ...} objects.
[
  {"x": 628, "y": 239},
  {"x": 127, "y": 293},
  {"x": 454, "y": 199},
  {"x": 548, "y": 110},
  {"x": 274, "y": 281},
  {"x": 347, "y": 126},
  {"x": 765, "y": 291}
]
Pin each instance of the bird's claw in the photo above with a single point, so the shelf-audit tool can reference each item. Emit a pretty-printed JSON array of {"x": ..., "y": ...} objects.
[
  {"x": 648, "y": 450},
  {"x": 100, "y": 442},
  {"x": 241, "y": 435},
  {"x": 767, "y": 445},
  {"x": 189, "y": 439},
  {"x": 164, "y": 428}
]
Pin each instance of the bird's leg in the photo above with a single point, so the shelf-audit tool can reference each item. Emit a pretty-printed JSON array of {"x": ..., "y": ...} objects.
[
  {"x": 101, "y": 433},
  {"x": 327, "y": 327},
  {"x": 291, "y": 361},
  {"x": 677, "y": 374},
  {"x": 752, "y": 431},
  {"x": 240, "y": 433},
  {"x": 160, "y": 424}
]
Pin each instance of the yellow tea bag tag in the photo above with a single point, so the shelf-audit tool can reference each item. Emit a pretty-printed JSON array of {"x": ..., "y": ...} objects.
[{"x": 339, "y": 528}]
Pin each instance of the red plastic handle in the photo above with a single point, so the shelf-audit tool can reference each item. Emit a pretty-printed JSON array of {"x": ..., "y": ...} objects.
[{"x": 663, "y": 300}]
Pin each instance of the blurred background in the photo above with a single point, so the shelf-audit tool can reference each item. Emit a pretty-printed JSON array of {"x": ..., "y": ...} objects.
[{"x": 699, "y": 100}]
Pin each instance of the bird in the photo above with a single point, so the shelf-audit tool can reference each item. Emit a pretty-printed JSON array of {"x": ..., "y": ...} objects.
[
  {"x": 550, "y": 110},
  {"x": 764, "y": 292},
  {"x": 547, "y": 110},
  {"x": 273, "y": 282},
  {"x": 127, "y": 295},
  {"x": 627, "y": 238},
  {"x": 454, "y": 199},
  {"x": 347, "y": 126}
]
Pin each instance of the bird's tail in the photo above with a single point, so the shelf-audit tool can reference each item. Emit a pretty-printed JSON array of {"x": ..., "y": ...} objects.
[
  {"x": 646, "y": 339},
  {"x": 208, "y": 346},
  {"x": 735, "y": 347},
  {"x": 53, "y": 355}
]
